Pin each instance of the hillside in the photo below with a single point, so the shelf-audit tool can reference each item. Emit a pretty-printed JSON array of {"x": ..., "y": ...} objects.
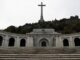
[{"x": 65, "y": 26}]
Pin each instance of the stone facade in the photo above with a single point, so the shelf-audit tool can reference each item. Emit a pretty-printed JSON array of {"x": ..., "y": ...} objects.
[{"x": 39, "y": 38}]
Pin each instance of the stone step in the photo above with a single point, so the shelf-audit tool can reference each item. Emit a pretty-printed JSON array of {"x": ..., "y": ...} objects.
[
  {"x": 39, "y": 56},
  {"x": 39, "y": 51}
]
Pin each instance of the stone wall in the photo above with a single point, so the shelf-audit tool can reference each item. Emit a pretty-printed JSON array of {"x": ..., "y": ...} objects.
[{"x": 43, "y": 38}]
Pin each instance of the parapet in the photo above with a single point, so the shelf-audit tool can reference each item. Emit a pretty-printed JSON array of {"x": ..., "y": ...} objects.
[{"x": 43, "y": 31}]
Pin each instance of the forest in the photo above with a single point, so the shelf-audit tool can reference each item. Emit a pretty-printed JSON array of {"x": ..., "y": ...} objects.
[{"x": 64, "y": 26}]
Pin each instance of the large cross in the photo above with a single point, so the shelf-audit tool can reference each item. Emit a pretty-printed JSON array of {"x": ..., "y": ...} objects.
[{"x": 41, "y": 18}]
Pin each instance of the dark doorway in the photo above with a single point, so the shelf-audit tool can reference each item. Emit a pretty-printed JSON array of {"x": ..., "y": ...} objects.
[
  {"x": 11, "y": 42},
  {"x": 22, "y": 43},
  {"x": 43, "y": 44},
  {"x": 65, "y": 42},
  {"x": 77, "y": 41},
  {"x": 1, "y": 39}
]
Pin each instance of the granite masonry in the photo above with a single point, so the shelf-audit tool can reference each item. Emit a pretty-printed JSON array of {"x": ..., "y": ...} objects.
[{"x": 39, "y": 38}]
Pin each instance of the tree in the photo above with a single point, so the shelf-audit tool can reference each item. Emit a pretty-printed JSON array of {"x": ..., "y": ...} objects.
[
  {"x": 64, "y": 25},
  {"x": 11, "y": 29}
]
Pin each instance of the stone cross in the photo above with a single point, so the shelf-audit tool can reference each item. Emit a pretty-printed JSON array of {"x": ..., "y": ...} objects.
[{"x": 41, "y": 5}]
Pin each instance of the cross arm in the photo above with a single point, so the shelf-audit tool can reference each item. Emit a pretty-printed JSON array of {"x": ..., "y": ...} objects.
[{"x": 41, "y": 5}]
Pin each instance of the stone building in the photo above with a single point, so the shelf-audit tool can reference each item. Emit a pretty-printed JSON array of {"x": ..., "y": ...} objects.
[{"x": 39, "y": 38}]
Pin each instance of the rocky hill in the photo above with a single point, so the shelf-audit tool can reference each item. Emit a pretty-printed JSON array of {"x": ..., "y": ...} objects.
[{"x": 65, "y": 26}]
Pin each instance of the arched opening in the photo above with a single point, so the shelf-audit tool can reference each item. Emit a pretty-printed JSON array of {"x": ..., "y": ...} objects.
[
  {"x": 1, "y": 39},
  {"x": 77, "y": 41},
  {"x": 11, "y": 42},
  {"x": 65, "y": 42},
  {"x": 22, "y": 43},
  {"x": 43, "y": 44}
]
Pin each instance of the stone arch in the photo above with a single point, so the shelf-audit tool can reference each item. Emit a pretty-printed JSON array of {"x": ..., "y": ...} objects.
[
  {"x": 44, "y": 42},
  {"x": 1, "y": 40},
  {"x": 23, "y": 43},
  {"x": 77, "y": 41},
  {"x": 11, "y": 42},
  {"x": 65, "y": 42}
]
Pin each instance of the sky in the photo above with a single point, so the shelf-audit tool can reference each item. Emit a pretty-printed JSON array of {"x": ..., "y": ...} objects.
[{"x": 20, "y": 12}]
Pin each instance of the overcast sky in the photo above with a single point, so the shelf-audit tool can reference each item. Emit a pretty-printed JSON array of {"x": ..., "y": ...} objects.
[{"x": 19, "y": 12}]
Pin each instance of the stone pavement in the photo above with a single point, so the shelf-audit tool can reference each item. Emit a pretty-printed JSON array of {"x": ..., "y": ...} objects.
[{"x": 39, "y": 56}]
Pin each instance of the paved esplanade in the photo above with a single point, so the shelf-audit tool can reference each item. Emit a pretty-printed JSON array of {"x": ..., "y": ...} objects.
[{"x": 41, "y": 18}]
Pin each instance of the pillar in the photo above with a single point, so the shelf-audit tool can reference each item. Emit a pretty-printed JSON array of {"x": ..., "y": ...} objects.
[
  {"x": 59, "y": 43},
  {"x": 17, "y": 42},
  {"x": 29, "y": 42},
  {"x": 71, "y": 42},
  {"x": 5, "y": 41}
]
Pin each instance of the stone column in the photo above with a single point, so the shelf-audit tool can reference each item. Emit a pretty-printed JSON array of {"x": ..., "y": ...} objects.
[
  {"x": 6, "y": 41},
  {"x": 17, "y": 41},
  {"x": 71, "y": 42},
  {"x": 51, "y": 42},
  {"x": 3, "y": 42},
  {"x": 59, "y": 43},
  {"x": 29, "y": 42},
  {"x": 26, "y": 42}
]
